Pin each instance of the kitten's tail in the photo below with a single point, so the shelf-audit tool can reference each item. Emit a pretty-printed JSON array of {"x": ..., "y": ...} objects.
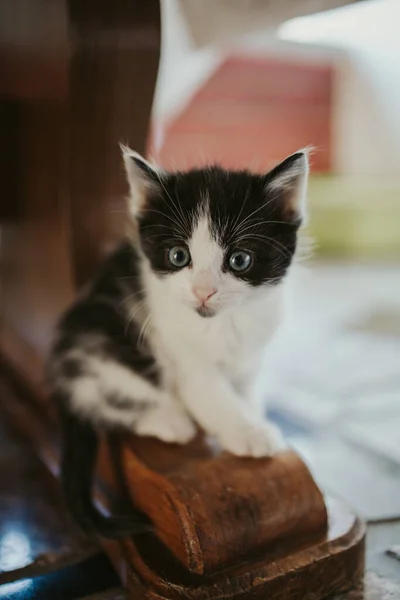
[{"x": 80, "y": 444}]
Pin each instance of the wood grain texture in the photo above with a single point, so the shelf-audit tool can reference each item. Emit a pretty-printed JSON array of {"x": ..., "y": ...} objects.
[
  {"x": 229, "y": 527},
  {"x": 316, "y": 568},
  {"x": 79, "y": 79},
  {"x": 114, "y": 65},
  {"x": 312, "y": 563},
  {"x": 211, "y": 509}
]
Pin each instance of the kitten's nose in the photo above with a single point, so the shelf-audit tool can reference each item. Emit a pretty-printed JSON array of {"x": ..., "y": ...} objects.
[{"x": 204, "y": 294}]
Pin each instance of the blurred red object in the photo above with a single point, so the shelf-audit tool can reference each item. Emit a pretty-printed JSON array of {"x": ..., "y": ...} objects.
[{"x": 252, "y": 112}]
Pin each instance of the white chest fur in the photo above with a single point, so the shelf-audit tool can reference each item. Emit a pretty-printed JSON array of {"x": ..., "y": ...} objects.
[{"x": 234, "y": 340}]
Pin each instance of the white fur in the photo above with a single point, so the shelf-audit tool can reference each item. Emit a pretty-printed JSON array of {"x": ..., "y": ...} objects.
[
  {"x": 295, "y": 180},
  {"x": 214, "y": 364},
  {"x": 138, "y": 182},
  {"x": 163, "y": 419}
]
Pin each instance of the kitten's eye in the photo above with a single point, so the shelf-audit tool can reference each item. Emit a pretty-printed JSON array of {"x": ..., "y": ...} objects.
[
  {"x": 239, "y": 261},
  {"x": 179, "y": 256}
]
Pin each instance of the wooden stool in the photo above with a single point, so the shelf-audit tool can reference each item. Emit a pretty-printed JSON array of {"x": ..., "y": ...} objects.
[
  {"x": 232, "y": 528},
  {"x": 225, "y": 527}
]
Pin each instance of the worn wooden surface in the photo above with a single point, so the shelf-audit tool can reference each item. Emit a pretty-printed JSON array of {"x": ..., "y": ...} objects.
[
  {"x": 315, "y": 567},
  {"x": 212, "y": 509},
  {"x": 382, "y": 580},
  {"x": 248, "y": 529},
  {"x": 77, "y": 78}
]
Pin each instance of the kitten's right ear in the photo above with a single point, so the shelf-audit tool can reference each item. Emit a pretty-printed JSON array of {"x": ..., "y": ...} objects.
[
  {"x": 287, "y": 182},
  {"x": 142, "y": 177}
]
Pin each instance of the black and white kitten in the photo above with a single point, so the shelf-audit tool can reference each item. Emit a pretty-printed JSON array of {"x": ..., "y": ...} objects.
[{"x": 172, "y": 332}]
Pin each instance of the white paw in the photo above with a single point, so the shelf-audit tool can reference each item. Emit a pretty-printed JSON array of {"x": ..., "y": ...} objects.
[
  {"x": 166, "y": 423},
  {"x": 252, "y": 438}
]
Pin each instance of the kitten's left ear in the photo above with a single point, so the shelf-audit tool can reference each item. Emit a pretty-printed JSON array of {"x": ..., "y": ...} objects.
[
  {"x": 142, "y": 177},
  {"x": 287, "y": 182}
]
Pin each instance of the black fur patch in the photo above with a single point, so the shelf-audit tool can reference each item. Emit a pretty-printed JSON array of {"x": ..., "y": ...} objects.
[
  {"x": 243, "y": 216},
  {"x": 100, "y": 320},
  {"x": 72, "y": 367},
  {"x": 123, "y": 403}
]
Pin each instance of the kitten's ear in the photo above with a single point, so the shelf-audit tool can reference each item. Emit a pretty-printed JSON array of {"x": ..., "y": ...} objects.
[
  {"x": 287, "y": 182},
  {"x": 142, "y": 177}
]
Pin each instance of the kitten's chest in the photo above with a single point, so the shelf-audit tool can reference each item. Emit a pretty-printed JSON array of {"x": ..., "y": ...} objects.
[{"x": 232, "y": 344}]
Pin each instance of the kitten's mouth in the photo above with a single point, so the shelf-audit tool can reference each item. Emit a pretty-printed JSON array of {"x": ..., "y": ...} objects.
[{"x": 205, "y": 311}]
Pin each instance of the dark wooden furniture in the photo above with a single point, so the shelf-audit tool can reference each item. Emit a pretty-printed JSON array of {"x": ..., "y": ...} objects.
[
  {"x": 50, "y": 554},
  {"x": 76, "y": 79},
  {"x": 237, "y": 528},
  {"x": 225, "y": 527}
]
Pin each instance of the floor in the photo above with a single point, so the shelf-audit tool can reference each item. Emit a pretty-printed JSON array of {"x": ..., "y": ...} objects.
[
  {"x": 333, "y": 385},
  {"x": 335, "y": 372}
]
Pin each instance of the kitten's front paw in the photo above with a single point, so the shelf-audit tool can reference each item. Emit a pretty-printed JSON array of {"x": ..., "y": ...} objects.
[
  {"x": 252, "y": 439},
  {"x": 166, "y": 423}
]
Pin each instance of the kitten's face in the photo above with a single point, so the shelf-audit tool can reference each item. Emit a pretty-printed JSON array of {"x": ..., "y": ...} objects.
[{"x": 213, "y": 238}]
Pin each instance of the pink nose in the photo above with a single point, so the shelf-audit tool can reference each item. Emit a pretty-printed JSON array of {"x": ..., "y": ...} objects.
[{"x": 204, "y": 294}]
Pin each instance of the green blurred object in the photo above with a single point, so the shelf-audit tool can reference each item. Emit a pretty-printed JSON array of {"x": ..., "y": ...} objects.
[{"x": 355, "y": 217}]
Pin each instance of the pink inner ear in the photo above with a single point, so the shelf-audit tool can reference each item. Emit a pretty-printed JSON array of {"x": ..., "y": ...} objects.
[
  {"x": 292, "y": 206},
  {"x": 288, "y": 182}
]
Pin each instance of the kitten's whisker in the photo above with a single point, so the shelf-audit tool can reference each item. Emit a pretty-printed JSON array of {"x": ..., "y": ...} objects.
[
  {"x": 264, "y": 238},
  {"x": 267, "y": 203},
  {"x": 255, "y": 224},
  {"x": 176, "y": 238},
  {"x": 158, "y": 224},
  {"x": 279, "y": 244},
  {"x": 131, "y": 315},
  {"x": 130, "y": 296},
  {"x": 127, "y": 277},
  {"x": 184, "y": 218},
  {"x": 236, "y": 223},
  {"x": 143, "y": 331},
  {"x": 168, "y": 241},
  {"x": 174, "y": 221},
  {"x": 180, "y": 217}
]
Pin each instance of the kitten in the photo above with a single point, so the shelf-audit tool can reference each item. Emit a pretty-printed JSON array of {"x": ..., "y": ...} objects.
[{"x": 171, "y": 334}]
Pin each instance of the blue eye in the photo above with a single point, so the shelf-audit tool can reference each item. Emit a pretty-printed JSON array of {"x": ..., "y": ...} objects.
[
  {"x": 179, "y": 256},
  {"x": 240, "y": 261}
]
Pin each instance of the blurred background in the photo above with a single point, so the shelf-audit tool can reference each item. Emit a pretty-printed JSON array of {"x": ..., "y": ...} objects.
[{"x": 240, "y": 85}]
